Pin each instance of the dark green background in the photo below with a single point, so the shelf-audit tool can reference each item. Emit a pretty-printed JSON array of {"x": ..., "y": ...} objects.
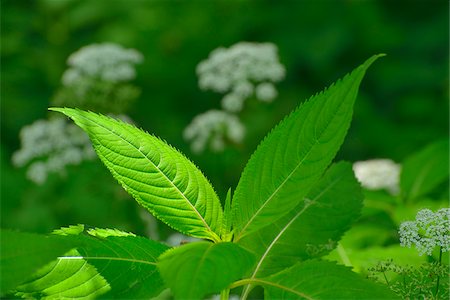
[{"x": 403, "y": 103}]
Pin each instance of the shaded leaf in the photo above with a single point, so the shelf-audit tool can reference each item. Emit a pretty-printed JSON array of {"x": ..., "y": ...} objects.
[
  {"x": 107, "y": 264},
  {"x": 316, "y": 279},
  {"x": 425, "y": 170},
  {"x": 312, "y": 229},
  {"x": 24, "y": 253},
  {"x": 197, "y": 269},
  {"x": 294, "y": 155},
  {"x": 158, "y": 176}
]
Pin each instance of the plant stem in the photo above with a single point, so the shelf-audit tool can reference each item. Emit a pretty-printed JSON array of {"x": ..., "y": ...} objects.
[
  {"x": 437, "y": 283},
  {"x": 225, "y": 294},
  {"x": 385, "y": 278}
]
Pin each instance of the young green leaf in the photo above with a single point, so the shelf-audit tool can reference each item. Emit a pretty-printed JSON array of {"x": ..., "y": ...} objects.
[
  {"x": 425, "y": 170},
  {"x": 227, "y": 219},
  {"x": 158, "y": 176},
  {"x": 321, "y": 280},
  {"x": 197, "y": 269},
  {"x": 312, "y": 229},
  {"x": 23, "y": 253},
  {"x": 108, "y": 263},
  {"x": 294, "y": 155}
]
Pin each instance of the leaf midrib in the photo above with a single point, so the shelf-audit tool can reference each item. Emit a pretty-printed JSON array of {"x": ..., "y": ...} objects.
[
  {"x": 133, "y": 260},
  {"x": 156, "y": 167}
]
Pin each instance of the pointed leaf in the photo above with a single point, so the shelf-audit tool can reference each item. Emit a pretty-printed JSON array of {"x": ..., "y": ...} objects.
[
  {"x": 23, "y": 253},
  {"x": 294, "y": 155},
  {"x": 425, "y": 170},
  {"x": 312, "y": 229},
  {"x": 322, "y": 280},
  {"x": 197, "y": 269},
  {"x": 109, "y": 263},
  {"x": 158, "y": 176}
]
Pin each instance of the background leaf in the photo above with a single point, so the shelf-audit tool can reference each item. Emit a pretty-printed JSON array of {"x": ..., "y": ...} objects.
[
  {"x": 425, "y": 170},
  {"x": 108, "y": 264},
  {"x": 158, "y": 176},
  {"x": 322, "y": 280},
  {"x": 197, "y": 269},
  {"x": 24, "y": 253},
  {"x": 294, "y": 155},
  {"x": 313, "y": 229}
]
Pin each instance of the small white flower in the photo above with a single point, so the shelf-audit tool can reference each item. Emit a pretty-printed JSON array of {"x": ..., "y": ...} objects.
[
  {"x": 427, "y": 231},
  {"x": 378, "y": 174}
]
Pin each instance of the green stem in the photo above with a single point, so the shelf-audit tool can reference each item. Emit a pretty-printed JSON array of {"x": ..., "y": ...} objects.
[
  {"x": 437, "y": 283},
  {"x": 225, "y": 294},
  {"x": 385, "y": 278}
]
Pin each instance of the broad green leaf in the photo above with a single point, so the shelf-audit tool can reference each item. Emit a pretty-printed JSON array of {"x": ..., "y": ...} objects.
[
  {"x": 158, "y": 176},
  {"x": 294, "y": 155},
  {"x": 107, "y": 264},
  {"x": 425, "y": 170},
  {"x": 312, "y": 229},
  {"x": 23, "y": 253},
  {"x": 316, "y": 279},
  {"x": 197, "y": 269}
]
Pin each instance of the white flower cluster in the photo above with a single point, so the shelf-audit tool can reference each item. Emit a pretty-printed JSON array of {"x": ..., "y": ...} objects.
[
  {"x": 378, "y": 174},
  {"x": 50, "y": 145},
  {"x": 213, "y": 128},
  {"x": 106, "y": 62},
  {"x": 427, "y": 231},
  {"x": 236, "y": 70}
]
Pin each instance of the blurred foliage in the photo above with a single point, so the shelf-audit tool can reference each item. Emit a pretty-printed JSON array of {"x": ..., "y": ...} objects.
[{"x": 403, "y": 104}]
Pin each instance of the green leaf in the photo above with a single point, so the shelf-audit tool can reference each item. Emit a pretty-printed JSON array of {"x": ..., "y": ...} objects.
[
  {"x": 107, "y": 264},
  {"x": 24, "y": 253},
  {"x": 312, "y": 229},
  {"x": 321, "y": 280},
  {"x": 227, "y": 234},
  {"x": 294, "y": 155},
  {"x": 197, "y": 269},
  {"x": 158, "y": 176},
  {"x": 425, "y": 170}
]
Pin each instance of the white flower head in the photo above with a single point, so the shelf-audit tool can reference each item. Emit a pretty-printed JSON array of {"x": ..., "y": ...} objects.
[
  {"x": 429, "y": 230},
  {"x": 107, "y": 62},
  {"x": 213, "y": 128},
  {"x": 378, "y": 174},
  {"x": 238, "y": 68},
  {"x": 49, "y": 145}
]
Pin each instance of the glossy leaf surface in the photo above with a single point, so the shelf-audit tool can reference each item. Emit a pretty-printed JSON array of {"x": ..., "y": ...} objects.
[{"x": 158, "y": 176}]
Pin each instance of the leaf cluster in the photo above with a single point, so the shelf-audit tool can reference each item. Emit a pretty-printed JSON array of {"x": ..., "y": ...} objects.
[{"x": 289, "y": 208}]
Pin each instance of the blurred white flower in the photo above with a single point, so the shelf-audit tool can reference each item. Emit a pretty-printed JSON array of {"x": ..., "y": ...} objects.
[
  {"x": 266, "y": 92},
  {"x": 235, "y": 70},
  {"x": 232, "y": 102},
  {"x": 378, "y": 174},
  {"x": 106, "y": 62},
  {"x": 50, "y": 145},
  {"x": 212, "y": 128}
]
